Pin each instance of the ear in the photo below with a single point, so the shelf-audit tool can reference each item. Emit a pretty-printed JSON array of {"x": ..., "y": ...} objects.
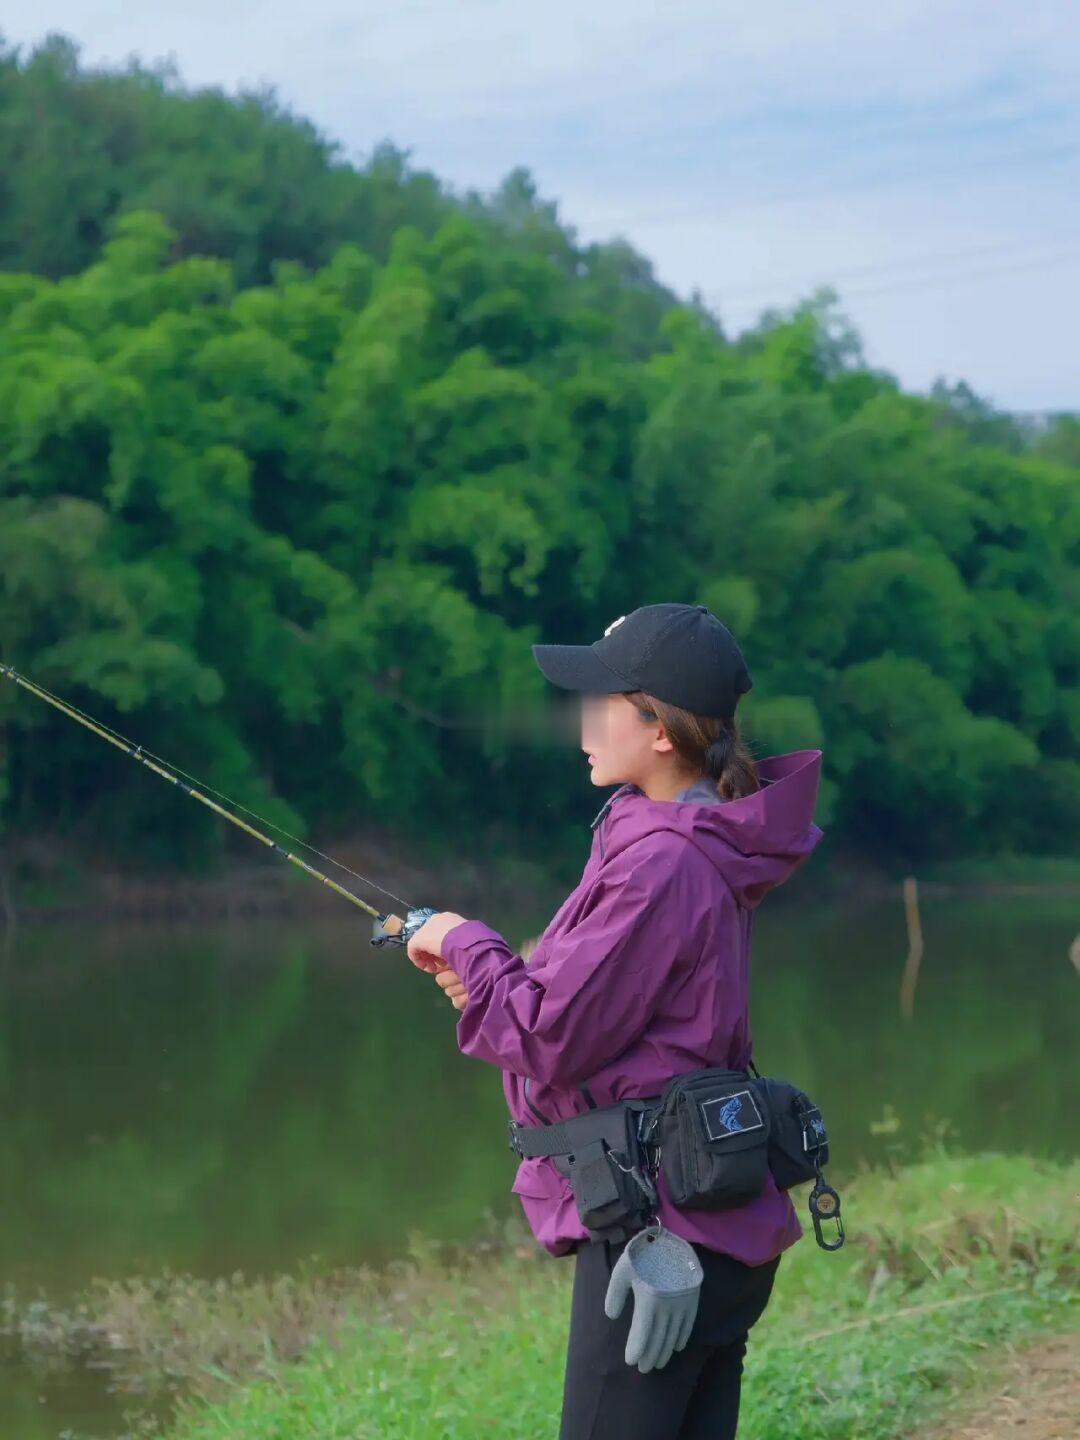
[{"x": 662, "y": 744}]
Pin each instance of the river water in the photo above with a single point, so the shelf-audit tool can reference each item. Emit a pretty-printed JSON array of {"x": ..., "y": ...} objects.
[{"x": 253, "y": 1096}]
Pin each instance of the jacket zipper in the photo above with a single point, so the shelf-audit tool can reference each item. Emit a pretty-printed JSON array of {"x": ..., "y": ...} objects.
[
  {"x": 537, "y": 1112},
  {"x": 599, "y": 819},
  {"x": 596, "y": 822}
]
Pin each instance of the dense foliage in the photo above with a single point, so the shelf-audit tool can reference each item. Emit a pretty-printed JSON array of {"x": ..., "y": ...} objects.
[
  {"x": 281, "y": 503},
  {"x": 238, "y": 178}
]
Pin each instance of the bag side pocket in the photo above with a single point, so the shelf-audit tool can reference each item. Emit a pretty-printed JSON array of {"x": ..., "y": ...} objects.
[
  {"x": 798, "y": 1144},
  {"x": 607, "y": 1195}
]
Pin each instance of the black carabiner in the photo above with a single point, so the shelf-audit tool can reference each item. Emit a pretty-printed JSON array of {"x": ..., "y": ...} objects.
[{"x": 825, "y": 1205}]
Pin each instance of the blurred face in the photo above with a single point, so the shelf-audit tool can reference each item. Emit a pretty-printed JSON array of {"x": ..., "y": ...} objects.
[{"x": 621, "y": 746}]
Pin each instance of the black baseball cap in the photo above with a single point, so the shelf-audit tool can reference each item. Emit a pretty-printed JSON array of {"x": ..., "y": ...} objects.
[{"x": 679, "y": 653}]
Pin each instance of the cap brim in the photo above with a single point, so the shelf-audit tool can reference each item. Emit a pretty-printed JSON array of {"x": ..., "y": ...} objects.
[{"x": 578, "y": 667}]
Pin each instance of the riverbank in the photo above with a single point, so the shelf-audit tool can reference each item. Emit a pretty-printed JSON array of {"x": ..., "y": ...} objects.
[
  {"x": 42, "y": 880},
  {"x": 947, "y": 1260}
]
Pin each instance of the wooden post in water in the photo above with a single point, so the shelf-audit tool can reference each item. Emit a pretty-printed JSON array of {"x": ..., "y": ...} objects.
[{"x": 915, "y": 947}]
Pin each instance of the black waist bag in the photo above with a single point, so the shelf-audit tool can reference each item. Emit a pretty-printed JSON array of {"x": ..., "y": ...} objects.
[
  {"x": 713, "y": 1128},
  {"x": 600, "y": 1154},
  {"x": 798, "y": 1142}
]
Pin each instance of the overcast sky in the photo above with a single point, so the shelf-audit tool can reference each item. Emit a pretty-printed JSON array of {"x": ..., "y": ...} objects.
[{"x": 921, "y": 155}]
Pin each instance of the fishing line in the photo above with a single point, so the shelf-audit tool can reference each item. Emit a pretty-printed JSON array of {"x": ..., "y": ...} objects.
[
  {"x": 236, "y": 805},
  {"x": 171, "y": 772}
]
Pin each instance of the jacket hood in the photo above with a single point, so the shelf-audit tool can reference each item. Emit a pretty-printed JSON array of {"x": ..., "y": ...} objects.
[{"x": 755, "y": 842}]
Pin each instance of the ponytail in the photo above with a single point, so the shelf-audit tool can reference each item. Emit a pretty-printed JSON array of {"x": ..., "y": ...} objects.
[{"x": 717, "y": 756}]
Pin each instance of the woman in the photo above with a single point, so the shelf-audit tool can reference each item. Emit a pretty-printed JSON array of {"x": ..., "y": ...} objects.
[{"x": 642, "y": 975}]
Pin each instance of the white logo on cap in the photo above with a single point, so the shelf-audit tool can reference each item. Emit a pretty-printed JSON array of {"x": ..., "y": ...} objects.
[{"x": 614, "y": 623}]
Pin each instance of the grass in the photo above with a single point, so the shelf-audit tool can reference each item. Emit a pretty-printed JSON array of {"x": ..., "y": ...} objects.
[{"x": 947, "y": 1261}]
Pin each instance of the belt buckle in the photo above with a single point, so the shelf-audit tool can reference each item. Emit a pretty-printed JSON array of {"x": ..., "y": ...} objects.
[{"x": 512, "y": 1126}]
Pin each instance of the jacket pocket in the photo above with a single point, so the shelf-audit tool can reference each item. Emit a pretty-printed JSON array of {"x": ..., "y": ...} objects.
[{"x": 539, "y": 1179}]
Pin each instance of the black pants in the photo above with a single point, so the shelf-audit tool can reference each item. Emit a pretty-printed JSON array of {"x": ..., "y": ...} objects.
[{"x": 695, "y": 1396}]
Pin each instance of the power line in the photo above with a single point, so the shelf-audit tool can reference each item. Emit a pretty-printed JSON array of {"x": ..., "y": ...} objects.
[
  {"x": 930, "y": 282},
  {"x": 788, "y": 196},
  {"x": 769, "y": 287}
]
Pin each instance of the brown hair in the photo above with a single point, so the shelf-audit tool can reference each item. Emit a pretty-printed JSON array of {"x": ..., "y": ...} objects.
[{"x": 705, "y": 744}]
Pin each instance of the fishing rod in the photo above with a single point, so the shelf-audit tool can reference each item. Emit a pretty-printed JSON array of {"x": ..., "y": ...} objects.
[{"x": 388, "y": 929}]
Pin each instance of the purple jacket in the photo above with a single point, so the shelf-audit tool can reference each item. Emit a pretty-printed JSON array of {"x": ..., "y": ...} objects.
[{"x": 641, "y": 975}]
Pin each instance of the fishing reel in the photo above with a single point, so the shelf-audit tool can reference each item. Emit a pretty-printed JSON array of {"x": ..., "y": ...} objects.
[{"x": 392, "y": 930}]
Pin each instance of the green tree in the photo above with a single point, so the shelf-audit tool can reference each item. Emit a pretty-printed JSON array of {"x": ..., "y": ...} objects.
[{"x": 292, "y": 513}]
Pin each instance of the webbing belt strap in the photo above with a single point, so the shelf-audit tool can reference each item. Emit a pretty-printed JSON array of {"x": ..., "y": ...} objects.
[{"x": 564, "y": 1137}]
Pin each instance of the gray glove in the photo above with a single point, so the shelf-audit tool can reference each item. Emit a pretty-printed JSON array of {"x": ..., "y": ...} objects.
[{"x": 665, "y": 1275}]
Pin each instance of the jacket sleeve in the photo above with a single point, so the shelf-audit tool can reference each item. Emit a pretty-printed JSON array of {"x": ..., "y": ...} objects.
[{"x": 588, "y": 993}]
